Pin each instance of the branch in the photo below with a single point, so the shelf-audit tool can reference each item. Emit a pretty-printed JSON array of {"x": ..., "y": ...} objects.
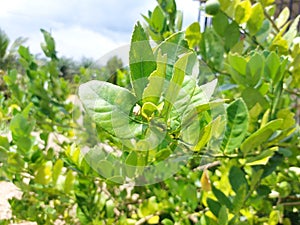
[
  {"x": 271, "y": 21},
  {"x": 207, "y": 166}
]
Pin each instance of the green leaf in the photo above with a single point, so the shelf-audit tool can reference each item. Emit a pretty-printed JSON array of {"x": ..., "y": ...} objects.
[
  {"x": 283, "y": 17},
  {"x": 222, "y": 198},
  {"x": 174, "y": 46},
  {"x": 115, "y": 180},
  {"x": 4, "y": 147},
  {"x": 237, "y": 178},
  {"x": 49, "y": 48},
  {"x": 236, "y": 127},
  {"x": 212, "y": 48},
  {"x": 252, "y": 96},
  {"x": 69, "y": 181},
  {"x": 193, "y": 34},
  {"x": 4, "y": 143},
  {"x": 214, "y": 206},
  {"x": 158, "y": 19},
  {"x": 261, "y": 159},
  {"x": 266, "y": 2},
  {"x": 44, "y": 173},
  {"x": 281, "y": 71},
  {"x": 153, "y": 91},
  {"x": 21, "y": 128},
  {"x": 141, "y": 60},
  {"x": 239, "y": 198},
  {"x": 24, "y": 144},
  {"x": 110, "y": 206},
  {"x": 232, "y": 35},
  {"x": 256, "y": 19},
  {"x": 238, "y": 63},
  {"x": 223, "y": 216},
  {"x": 254, "y": 69},
  {"x": 288, "y": 118},
  {"x": 272, "y": 65},
  {"x": 163, "y": 154},
  {"x": 175, "y": 84},
  {"x": 167, "y": 222},
  {"x": 243, "y": 12},
  {"x": 153, "y": 220},
  {"x": 105, "y": 168},
  {"x": 204, "y": 137},
  {"x": 220, "y": 23},
  {"x": 110, "y": 106},
  {"x": 57, "y": 169},
  {"x": 261, "y": 136},
  {"x": 274, "y": 217},
  {"x": 148, "y": 109},
  {"x": 292, "y": 32}
]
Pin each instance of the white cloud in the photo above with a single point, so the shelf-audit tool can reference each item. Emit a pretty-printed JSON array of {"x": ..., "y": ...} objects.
[{"x": 90, "y": 28}]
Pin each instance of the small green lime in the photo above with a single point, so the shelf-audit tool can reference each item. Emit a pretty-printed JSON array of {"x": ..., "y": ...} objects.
[{"x": 212, "y": 7}]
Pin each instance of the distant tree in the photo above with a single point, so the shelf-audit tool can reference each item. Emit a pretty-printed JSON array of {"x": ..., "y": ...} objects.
[{"x": 9, "y": 53}]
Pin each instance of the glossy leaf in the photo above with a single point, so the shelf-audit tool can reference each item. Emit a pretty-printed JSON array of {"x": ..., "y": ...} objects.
[
  {"x": 174, "y": 46},
  {"x": 260, "y": 136},
  {"x": 158, "y": 19},
  {"x": 252, "y": 96},
  {"x": 175, "y": 84},
  {"x": 110, "y": 107},
  {"x": 254, "y": 69},
  {"x": 141, "y": 60},
  {"x": 256, "y": 19},
  {"x": 220, "y": 23},
  {"x": 57, "y": 170},
  {"x": 232, "y": 35},
  {"x": 69, "y": 181},
  {"x": 44, "y": 173},
  {"x": 153, "y": 91},
  {"x": 243, "y": 11},
  {"x": 204, "y": 137},
  {"x": 193, "y": 34},
  {"x": 272, "y": 65},
  {"x": 283, "y": 17},
  {"x": 236, "y": 127}
]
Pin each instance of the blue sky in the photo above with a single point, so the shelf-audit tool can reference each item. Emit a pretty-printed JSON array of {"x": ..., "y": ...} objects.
[{"x": 89, "y": 28}]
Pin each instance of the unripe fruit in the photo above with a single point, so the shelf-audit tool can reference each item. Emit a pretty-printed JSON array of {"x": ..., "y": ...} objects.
[{"x": 212, "y": 7}]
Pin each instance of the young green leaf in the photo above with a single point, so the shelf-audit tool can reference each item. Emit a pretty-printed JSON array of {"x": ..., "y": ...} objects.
[
  {"x": 153, "y": 91},
  {"x": 158, "y": 19},
  {"x": 193, "y": 34},
  {"x": 243, "y": 11},
  {"x": 256, "y": 19},
  {"x": 283, "y": 17},
  {"x": 254, "y": 69},
  {"x": 272, "y": 65},
  {"x": 260, "y": 136},
  {"x": 175, "y": 84},
  {"x": 236, "y": 127},
  {"x": 141, "y": 60},
  {"x": 173, "y": 47}
]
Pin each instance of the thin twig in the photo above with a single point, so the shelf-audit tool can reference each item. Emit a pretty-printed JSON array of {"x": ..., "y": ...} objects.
[{"x": 207, "y": 166}]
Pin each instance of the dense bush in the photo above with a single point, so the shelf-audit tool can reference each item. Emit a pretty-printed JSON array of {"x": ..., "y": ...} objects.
[{"x": 205, "y": 132}]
